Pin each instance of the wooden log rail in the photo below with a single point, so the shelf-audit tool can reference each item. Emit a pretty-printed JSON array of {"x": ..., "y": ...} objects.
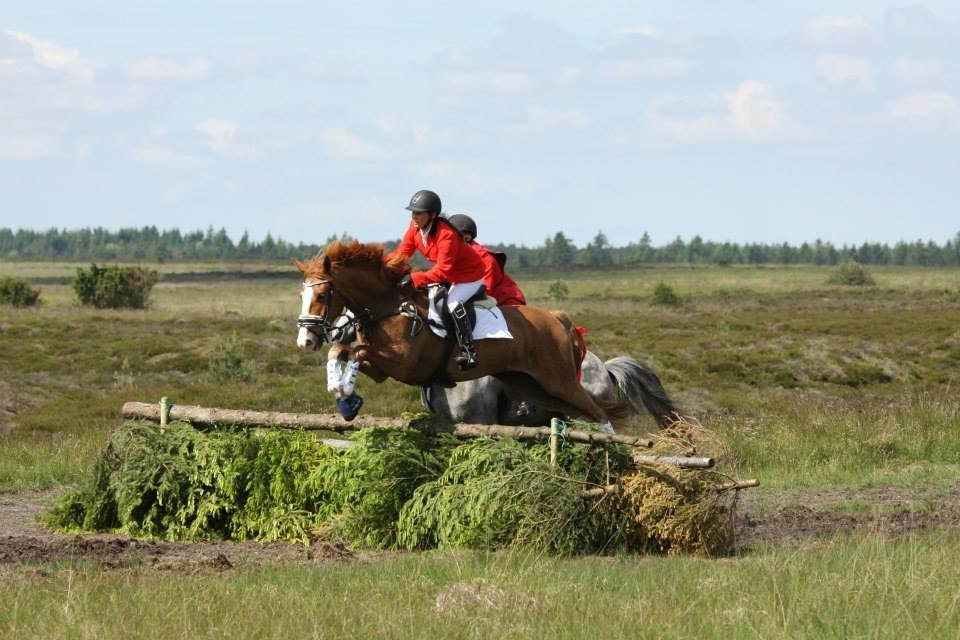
[
  {"x": 206, "y": 416},
  {"x": 677, "y": 461}
]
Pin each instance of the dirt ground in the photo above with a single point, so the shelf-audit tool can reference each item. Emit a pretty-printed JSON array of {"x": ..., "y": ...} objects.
[
  {"x": 23, "y": 540},
  {"x": 891, "y": 511}
]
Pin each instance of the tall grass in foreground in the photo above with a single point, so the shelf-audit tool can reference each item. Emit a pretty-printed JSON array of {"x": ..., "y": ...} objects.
[
  {"x": 803, "y": 443},
  {"x": 861, "y": 586},
  {"x": 42, "y": 460}
]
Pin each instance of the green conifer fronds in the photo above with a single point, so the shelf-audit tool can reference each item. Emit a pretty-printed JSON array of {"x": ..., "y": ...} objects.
[{"x": 395, "y": 488}]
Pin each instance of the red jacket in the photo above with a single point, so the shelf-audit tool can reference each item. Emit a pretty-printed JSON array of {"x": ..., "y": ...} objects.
[
  {"x": 499, "y": 285},
  {"x": 454, "y": 261}
]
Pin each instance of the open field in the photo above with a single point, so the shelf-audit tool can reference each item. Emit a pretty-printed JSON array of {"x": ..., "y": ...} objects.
[{"x": 841, "y": 400}]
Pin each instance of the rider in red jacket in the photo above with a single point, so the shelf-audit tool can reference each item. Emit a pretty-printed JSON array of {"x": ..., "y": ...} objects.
[
  {"x": 499, "y": 285},
  {"x": 455, "y": 263}
]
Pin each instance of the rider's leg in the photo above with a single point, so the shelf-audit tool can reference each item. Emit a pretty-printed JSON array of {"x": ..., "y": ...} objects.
[{"x": 456, "y": 297}]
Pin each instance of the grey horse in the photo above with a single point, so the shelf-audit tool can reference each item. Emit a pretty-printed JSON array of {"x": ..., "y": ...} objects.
[{"x": 628, "y": 385}]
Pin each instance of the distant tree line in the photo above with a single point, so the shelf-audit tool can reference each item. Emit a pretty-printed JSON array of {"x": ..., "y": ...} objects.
[
  {"x": 560, "y": 251},
  {"x": 151, "y": 245}
]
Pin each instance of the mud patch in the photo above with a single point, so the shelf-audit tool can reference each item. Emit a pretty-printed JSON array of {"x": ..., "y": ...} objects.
[
  {"x": 894, "y": 511},
  {"x": 25, "y": 543}
]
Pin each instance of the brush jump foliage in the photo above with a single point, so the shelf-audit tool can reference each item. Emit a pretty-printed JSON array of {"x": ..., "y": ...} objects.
[
  {"x": 397, "y": 489},
  {"x": 114, "y": 287},
  {"x": 18, "y": 292}
]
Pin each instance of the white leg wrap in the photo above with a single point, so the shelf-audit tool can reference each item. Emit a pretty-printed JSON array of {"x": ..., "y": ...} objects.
[
  {"x": 350, "y": 377},
  {"x": 333, "y": 376}
]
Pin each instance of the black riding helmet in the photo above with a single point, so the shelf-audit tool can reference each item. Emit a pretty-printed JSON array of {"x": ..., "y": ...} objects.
[
  {"x": 424, "y": 200},
  {"x": 464, "y": 224}
]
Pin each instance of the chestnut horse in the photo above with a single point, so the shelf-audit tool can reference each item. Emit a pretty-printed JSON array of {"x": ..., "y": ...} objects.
[{"x": 540, "y": 363}]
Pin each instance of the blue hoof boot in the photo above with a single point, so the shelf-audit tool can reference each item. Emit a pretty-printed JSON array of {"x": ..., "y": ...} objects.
[{"x": 349, "y": 406}]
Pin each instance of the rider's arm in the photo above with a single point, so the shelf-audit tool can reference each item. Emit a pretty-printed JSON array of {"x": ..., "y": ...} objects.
[
  {"x": 445, "y": 260},
  {"x": 407, "y": 246},
  {"x": 492, "y": 273}
]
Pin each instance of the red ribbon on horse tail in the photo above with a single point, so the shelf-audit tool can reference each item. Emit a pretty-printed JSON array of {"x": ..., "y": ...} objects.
[{"x": 581, "y": 344}]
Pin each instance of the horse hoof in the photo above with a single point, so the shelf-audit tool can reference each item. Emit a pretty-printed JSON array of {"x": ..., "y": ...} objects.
[{"x": 349, "y": 406}]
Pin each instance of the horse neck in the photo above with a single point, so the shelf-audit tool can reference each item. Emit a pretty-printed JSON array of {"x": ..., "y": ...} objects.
[{"x": 362, "y": 294}]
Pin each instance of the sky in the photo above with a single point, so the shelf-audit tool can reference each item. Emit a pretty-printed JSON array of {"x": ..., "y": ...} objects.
[{"x": 736, "y": 120}]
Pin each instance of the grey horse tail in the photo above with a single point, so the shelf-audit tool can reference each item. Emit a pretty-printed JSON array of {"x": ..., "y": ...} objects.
[{"x": 641, "y": 387}]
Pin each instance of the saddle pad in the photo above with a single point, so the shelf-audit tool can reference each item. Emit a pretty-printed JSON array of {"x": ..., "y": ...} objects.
[{"x": 490, "y": 321}]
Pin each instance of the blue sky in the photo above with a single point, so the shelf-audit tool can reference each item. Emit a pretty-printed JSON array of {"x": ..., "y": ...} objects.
[{"x": 744, "y": 120}]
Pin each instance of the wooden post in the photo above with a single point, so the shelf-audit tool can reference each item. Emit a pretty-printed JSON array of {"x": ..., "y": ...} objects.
[
  {"x": 164, "y": 413},
  {"x": 677, "y": 461},
  {"x": 554, "y": 440},
  {"x": 741, "y": 484},
  {"x": 599, "y": 492}
]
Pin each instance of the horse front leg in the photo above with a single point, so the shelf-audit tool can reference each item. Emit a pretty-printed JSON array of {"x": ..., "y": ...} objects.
[
  {"x": 372, "y": 371},
  {"x": 367, "y": 367}
]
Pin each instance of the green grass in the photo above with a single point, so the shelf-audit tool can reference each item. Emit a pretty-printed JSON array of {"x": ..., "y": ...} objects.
[
  {"x": 811, "y": 384},
  {"x": 817, "y": 389},
  {"x": 855, "y": 586}
]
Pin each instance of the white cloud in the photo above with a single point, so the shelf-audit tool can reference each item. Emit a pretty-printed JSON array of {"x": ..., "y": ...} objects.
[
  {"x": 664, "y": 118},
  {"x": 756, "y": 113},
  {"x": 169, "y": 69},
  {"x": 917, "y": 71},
  {"x": 332, "y": 72},
  {"x": 437, "y": 170},
  {"x": 389, "y": 125},
  {"x": 497, "y": 81},
  {"x": 542, "y": 118},
  {"x": 423, "y": 134},
  {"x": 52, "y": 56},
  {"x": 826, "y": 30},
  {"x": 221, "y": 134},
  {"x": 930, "y": 108},
  {"x": 844, "y": 69},
  {"x": 343, "y": 143},
  {"x": 165, "y": 157},
  {"x": 450, "y": 174},
  {"x": 697, "y": 129},
  {"x": 568, "y": 76},
  {"x": 643, "y": 30},
  {"x": 21, "y": 146},
  {"x": 648, "y": 68}
]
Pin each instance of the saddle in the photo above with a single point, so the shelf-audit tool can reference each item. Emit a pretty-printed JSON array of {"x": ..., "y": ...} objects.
[{"x": 439, "y": 302}]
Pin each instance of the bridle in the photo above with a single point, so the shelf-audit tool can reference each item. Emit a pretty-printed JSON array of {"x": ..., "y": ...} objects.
[
  {"x": 333, "y": 330},
  {"x": 322, "y": 326}
]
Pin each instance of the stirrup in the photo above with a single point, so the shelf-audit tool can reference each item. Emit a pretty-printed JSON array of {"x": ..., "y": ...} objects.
[{"x": 467, "y": 358}]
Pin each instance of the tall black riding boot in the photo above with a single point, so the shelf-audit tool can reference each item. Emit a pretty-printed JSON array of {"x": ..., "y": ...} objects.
[{"x": 468, "y": 352}]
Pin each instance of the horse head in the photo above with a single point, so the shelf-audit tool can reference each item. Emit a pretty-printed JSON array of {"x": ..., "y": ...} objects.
[{"x": 345, "y": 276}]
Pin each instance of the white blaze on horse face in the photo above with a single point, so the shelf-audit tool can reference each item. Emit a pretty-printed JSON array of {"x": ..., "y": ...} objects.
[{"x": 305, "y": 339}]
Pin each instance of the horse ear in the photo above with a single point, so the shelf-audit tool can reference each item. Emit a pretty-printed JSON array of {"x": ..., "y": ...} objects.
[{"x": 299, "y": 265}]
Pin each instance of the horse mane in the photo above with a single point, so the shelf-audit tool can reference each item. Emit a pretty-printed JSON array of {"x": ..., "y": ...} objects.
[{"x": 358, "y": 253}]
